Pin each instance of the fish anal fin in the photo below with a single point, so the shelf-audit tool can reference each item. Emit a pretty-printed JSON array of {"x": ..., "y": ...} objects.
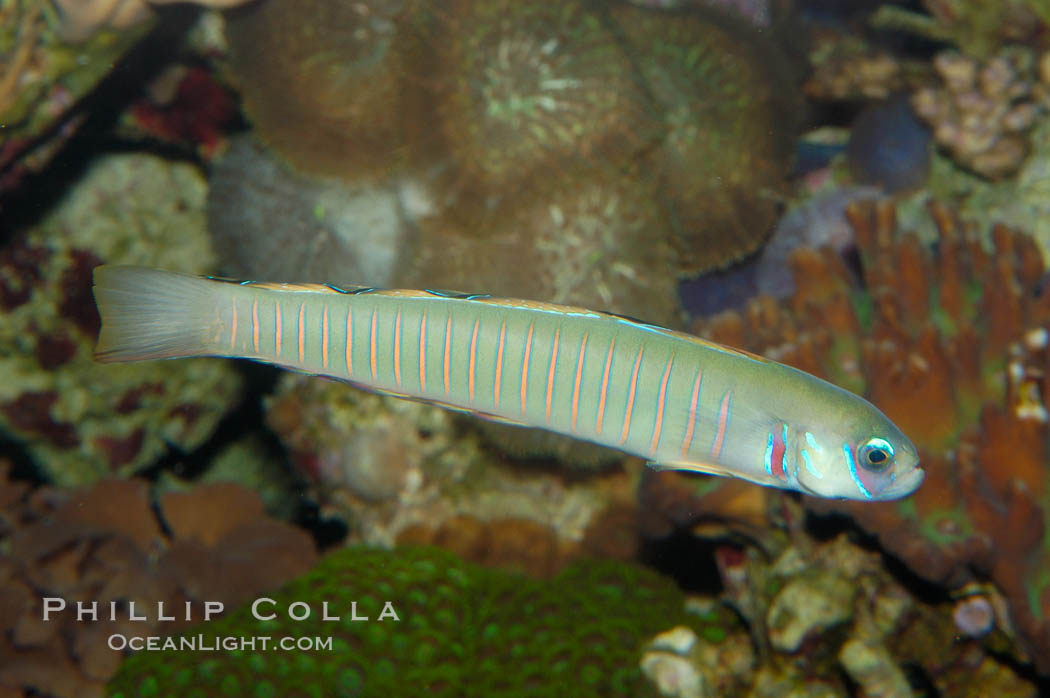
[
  {"x": 481, "y": 415},
  {"x": 427, "y": 401},
  {"x": 705, "y": 468},
  {"x": 722, "y": 471}
]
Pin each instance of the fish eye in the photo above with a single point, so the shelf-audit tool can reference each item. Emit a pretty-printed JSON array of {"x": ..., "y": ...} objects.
[{"x": 875, "y": 454}]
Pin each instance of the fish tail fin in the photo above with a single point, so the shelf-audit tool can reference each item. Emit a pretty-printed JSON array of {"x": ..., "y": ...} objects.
[{"x": 154, "y": 314}]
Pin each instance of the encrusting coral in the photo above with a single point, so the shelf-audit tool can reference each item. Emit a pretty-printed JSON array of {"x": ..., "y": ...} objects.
[
  {"x": 105, "y": 543},
  {"x": 953, "y": 346},
  {"x": 78, "y": 420},
  {"x": 461, "y": 630}
]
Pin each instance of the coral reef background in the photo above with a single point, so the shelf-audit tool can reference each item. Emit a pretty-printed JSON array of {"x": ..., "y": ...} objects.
[{"x": 858, "y": 189}]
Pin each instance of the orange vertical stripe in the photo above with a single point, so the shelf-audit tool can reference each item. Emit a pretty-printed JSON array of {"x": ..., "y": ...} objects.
[
  {"x": 576, "y": 384},
  {"x": 277, "y": 328},
  {"x": 255, "y": 324},
  {"x": 349, "y": 342},
  {"x": 233, "y": 328},
  {"x": 720, "y": 435},
  {"x": 473, "y": 353},
  {"x": 550, "y": 374},
  {"x": 659, "y": 424},
  {"x": 448, "y": 349},
  {"x": 499, "y": 364},
  {"x": 372, "y": 345},
  {"x": 605, "y": 387},
  {"x": 525, "y": 366},
  {"x": 688, "y": 440},
  {"x": 324, "y": 337},
  {"x": 630, "y": 397},
  {"x": 302, "y": 332},
  {"x": 397, "y": 348},
  {"x": 423, "y": 353}
]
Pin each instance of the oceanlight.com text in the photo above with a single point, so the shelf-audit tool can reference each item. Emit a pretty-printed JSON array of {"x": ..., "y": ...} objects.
[{"x": 211, "y": 643}]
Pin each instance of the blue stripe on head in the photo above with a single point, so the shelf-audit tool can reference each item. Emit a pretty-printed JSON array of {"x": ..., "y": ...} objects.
[
  {"x": 809, "y": 465},
  {"x": 853, "y": 470}
]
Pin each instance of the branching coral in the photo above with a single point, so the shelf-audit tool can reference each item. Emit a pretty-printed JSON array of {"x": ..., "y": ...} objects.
[
  {"x": 981, "y": 113},
  {"x": 953, "y": 347},
  {"x": 105, "y": 544},
  {"x": 844, "y": 69},
  {"x": 463, "y": 631}
]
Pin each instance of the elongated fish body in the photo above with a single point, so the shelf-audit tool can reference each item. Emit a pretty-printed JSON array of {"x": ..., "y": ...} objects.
[{"x": 674, "y": 399}]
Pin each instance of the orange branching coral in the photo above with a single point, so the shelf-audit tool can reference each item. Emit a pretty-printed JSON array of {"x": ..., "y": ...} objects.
[
  {"x": 105, "y": 545},
  {"x": 952, "y": 344}
]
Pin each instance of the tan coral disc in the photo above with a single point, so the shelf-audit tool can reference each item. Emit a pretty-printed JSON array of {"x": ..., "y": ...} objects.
[
  {"x": 321, "y": 80},
  {"x": 728, "y": 128},
  {"x": 534, "y": 85}
]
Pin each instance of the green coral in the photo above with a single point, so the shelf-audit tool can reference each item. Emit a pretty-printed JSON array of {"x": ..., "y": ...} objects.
[{"x": 463, "y": 630}]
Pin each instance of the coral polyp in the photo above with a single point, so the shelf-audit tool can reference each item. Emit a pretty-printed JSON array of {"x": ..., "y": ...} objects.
[{"x": 529, "y": 85}]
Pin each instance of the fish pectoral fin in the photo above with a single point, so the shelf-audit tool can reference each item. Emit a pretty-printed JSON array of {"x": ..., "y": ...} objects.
[{"x": 704, "y": 468}]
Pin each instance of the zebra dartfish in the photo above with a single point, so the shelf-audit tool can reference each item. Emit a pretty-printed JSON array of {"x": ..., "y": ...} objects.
[{"x": 676, "y": 400}]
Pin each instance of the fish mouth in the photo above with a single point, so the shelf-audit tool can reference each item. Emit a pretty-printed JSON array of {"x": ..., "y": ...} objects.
[{"x": 904, "y": 484}]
